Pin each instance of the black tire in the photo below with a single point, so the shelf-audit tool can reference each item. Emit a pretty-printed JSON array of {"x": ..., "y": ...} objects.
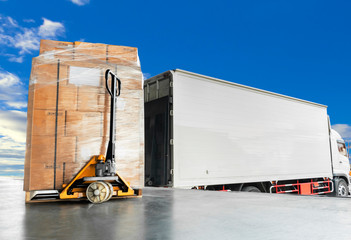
[
  {"x": 341, "y": 190},
  {"x": 250, "y": 189},
  {"x": 210, "y": 188}
]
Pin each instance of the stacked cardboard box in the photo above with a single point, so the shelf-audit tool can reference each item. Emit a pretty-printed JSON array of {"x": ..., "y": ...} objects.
[{"x": 68, "y": 112}]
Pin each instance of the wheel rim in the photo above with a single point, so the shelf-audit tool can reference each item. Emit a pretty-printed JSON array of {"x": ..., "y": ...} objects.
[
  {"x": 342, "y": 191},
  {"x": 97, "y": 192},
  {"x": 111, "y": 191}
]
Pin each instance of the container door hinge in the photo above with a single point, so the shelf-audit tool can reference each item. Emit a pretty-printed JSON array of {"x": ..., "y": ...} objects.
[
  {"x": 171, "y": 113},
  {"x": 171, "y": 141},
  {"x": 170, "y": 84},
  {"x": 171, "y": 171}
]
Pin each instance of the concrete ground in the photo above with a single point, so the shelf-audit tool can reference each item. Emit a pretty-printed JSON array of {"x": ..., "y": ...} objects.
[{"x": 176, "y": 214}]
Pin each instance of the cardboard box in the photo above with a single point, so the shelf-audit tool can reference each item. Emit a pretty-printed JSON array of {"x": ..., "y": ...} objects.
[
  {"x": 44, "y": 122},
  {"x": 121, "y": 54},
  {"x": 46, "y": 154},
  {"x": 54, "y": 50},
  {"x": 88, "y": 99},
  {"x": 83, "y": 49},
  {"x": 84, "y": 124}
]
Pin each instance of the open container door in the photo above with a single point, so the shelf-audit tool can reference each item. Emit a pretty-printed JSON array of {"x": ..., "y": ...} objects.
[{"x": 158, "y": 125}]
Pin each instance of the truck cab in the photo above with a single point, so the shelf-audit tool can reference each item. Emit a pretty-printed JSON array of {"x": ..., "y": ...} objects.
[{"x": 340, "y": 164}]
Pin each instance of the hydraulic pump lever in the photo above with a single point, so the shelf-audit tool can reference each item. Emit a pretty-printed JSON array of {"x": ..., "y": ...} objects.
[{"x": 108, "y": 168}]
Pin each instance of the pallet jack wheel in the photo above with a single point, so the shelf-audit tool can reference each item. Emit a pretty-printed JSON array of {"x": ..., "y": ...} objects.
[
  {"x": 111, "y": 191},
  {"x": 98, "y": 192}
]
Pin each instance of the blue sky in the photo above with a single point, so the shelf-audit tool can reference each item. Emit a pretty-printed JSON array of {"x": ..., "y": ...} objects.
[{"x": 297, "y": 48}]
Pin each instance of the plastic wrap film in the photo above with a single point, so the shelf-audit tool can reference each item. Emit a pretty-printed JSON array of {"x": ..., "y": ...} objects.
[{"x": 68, "y": 112}]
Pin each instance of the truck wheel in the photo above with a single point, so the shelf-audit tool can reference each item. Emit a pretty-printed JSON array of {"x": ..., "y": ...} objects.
[
  {"x": 250, "y": 189},
  {"x": 342, "y": 189},
  {"x": 210, "y": 188}
]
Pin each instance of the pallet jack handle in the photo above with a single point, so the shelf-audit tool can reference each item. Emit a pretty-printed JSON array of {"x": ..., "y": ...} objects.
[
  {"x": 114, "y": 90},
  {"x": 113, "y": 81}
]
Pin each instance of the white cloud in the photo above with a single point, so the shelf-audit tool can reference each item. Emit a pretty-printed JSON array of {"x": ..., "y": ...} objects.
[
  {"x": 344, "y": 130},
  {"x": 11, "y": 152},
  {"x": 12, "y": 138},
  {"x": 26, "y": 40},
  {"x": 5, "y": 39},
  {"x": 50, "y": 29},
  {"x": 17, "y": 105},
  {"x": 80, "y": 2},
  {"x": 13, "y": 170},
  {"x": 8, "y": 143},
  {"x": 13, "y": 125},
  {"x": 13, "y": 96},
  {"x": 29, "y": 20},
  {"x": 16, "y": 59},
  {"x": 13, "y": 92},
  {"x": 8, "y": 79},
  {"x": 12, "y": 22},
  {"x": 13, "y": 57},
  {"x": 146, "y": 76}
]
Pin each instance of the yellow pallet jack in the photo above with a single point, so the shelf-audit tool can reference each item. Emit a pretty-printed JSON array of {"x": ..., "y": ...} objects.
[{"x": 98, "y": 181}]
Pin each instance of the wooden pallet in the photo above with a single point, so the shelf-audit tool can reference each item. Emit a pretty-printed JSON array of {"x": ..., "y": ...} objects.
[{"x": 138, "y": 194}]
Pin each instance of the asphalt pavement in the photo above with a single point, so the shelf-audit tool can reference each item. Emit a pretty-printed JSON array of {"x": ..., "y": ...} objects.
[{"x": 176, "y": 214}]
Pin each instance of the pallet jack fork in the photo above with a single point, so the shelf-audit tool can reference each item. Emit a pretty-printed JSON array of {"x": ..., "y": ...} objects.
[{"x": 98, "y": 180}]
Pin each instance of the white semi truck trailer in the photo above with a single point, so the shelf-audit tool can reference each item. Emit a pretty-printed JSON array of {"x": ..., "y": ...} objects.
[{"x": 206, "y": 133}]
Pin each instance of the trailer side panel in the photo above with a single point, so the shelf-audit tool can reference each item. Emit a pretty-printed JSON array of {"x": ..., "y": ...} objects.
[{"x": 226, "y": 133}]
